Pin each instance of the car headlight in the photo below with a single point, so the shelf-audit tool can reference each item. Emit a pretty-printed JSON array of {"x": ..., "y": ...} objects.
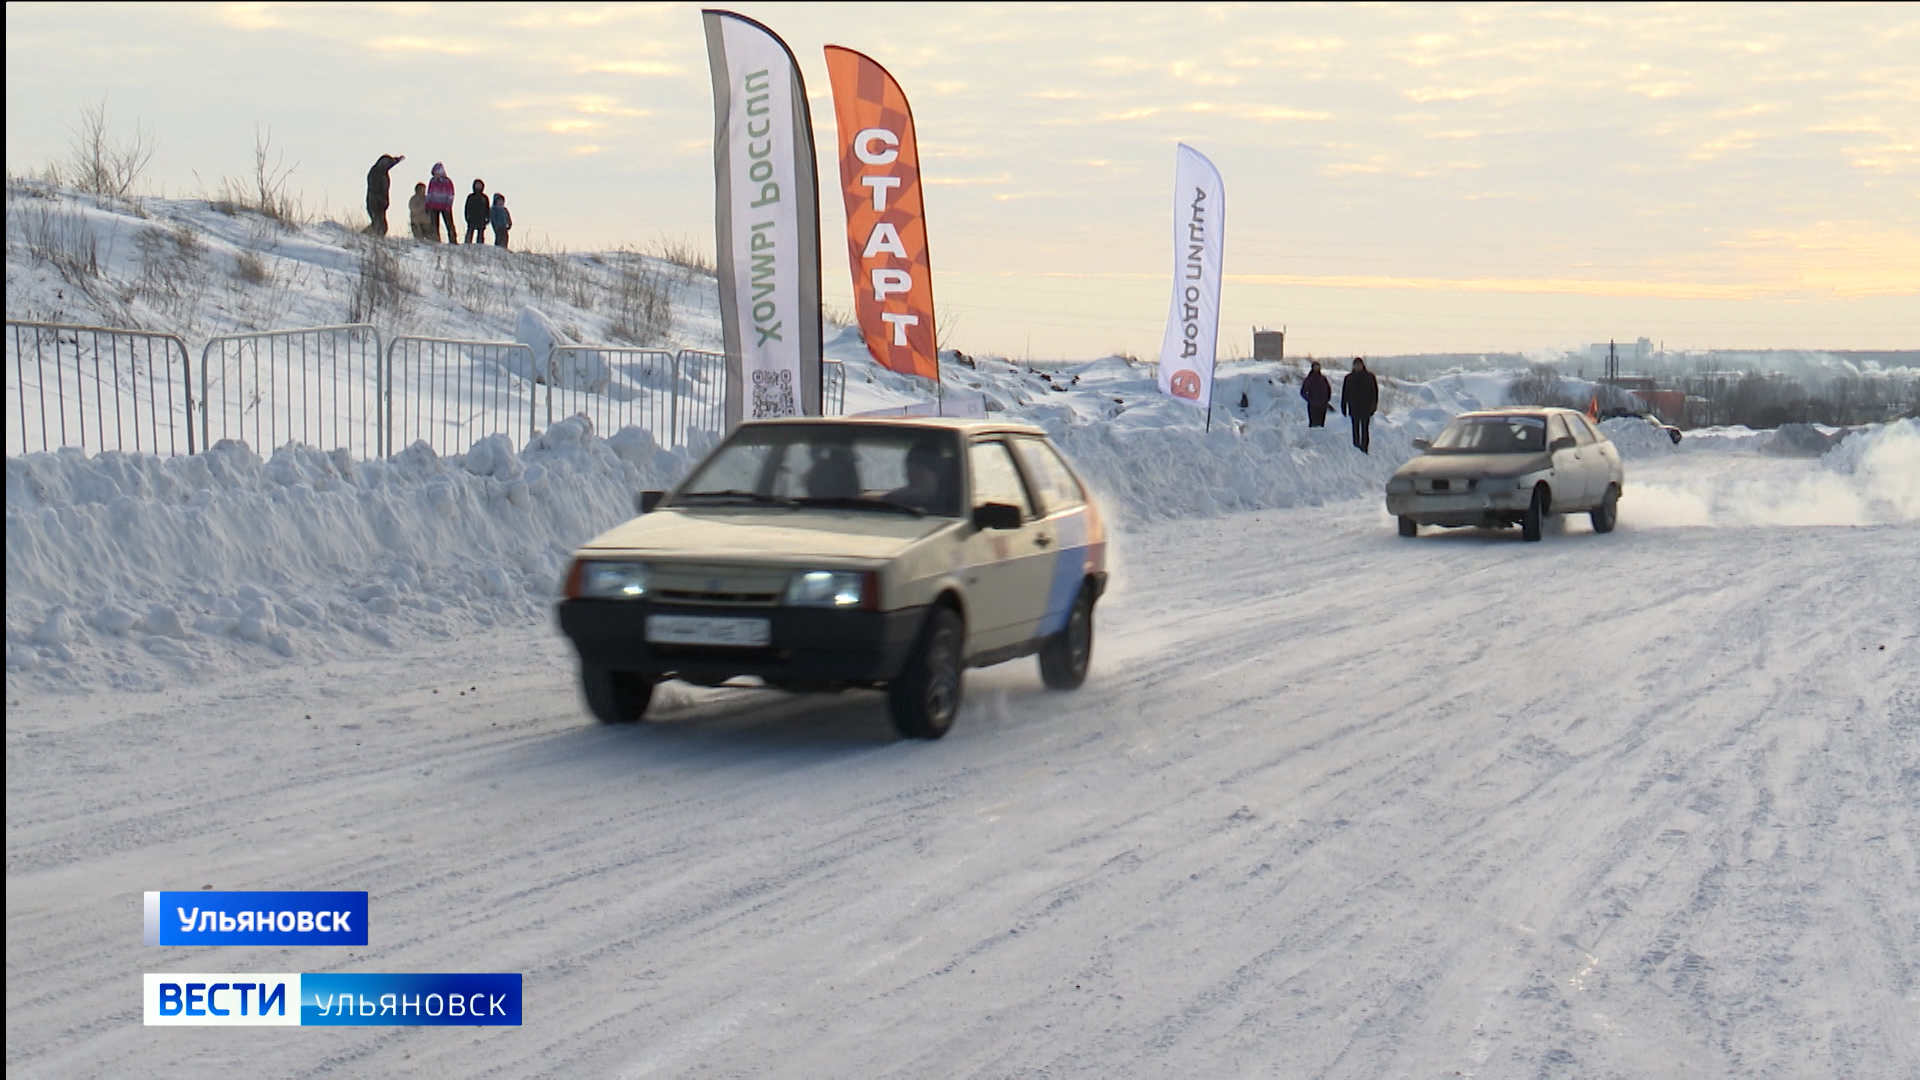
[
  {"x": 594, "y": 579},
  {"x": 832, "y": 589}
]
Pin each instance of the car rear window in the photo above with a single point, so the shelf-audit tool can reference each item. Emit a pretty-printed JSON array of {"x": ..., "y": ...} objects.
[{"x": 1493, "y": 435}]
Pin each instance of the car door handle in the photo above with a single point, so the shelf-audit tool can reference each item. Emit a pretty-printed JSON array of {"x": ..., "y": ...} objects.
[{"x": 1043, "y": 540}]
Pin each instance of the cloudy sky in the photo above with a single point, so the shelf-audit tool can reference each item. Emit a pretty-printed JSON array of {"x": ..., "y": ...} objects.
[{"x": 1400, "y": 178}]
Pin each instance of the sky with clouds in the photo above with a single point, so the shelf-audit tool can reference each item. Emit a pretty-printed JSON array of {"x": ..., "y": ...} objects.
[{"x": 1400, "y": 178}]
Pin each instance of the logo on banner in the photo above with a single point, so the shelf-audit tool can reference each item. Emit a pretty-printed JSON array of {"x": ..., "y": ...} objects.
[
  {"x": 1189, "y": 347},
  {"x": 766, "y": 221},
  {"x": 886, "y": 216}
]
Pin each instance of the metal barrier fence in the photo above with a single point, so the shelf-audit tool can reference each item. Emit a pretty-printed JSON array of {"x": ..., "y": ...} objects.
[
  {"x": 833, "y": 388},
  {"x": 451, "y": 393},
  {"x": 323, "y": 386},
  {"x": 98, "y": 387},
  {"x": 703, "y": 409},
  {"x": 615, "y": 387},
  {"x": 335, "y": 387}
]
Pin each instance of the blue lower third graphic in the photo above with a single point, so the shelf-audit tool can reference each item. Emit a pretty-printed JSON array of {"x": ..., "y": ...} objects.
[
  {"x": 312, "y": 1000},
  {"x": 256, "y": 918}
]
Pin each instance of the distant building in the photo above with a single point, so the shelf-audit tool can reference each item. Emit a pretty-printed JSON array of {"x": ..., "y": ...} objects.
[
  {"x": 1270, "y": 344},
  {"x": 1639, "y": 351}
]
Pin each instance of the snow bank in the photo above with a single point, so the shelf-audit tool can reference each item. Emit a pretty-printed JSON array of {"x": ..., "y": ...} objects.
[
  {"x": 129, "y": 569},
  {"x": 1801, "y": 440},
  {"x": 1150, "y": 474},
  {"x": 1638, "y": 438}
]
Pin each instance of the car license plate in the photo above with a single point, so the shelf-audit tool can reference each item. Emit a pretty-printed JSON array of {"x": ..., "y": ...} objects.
[{"x": 701, "y": 630}]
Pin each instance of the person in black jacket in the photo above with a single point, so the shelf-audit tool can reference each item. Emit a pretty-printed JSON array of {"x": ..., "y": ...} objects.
[
  {"x": 1318, "y": 393},
  {"x": 379, "y": 184},
  {"x": 478, "y": 212},
  {"x": 1359, "y": 397}
]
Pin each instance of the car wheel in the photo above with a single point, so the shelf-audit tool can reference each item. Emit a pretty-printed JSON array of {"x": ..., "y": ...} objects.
[
  {"x": 924, "y": 699},
  {"x": 615, "y": 697},
  {"x": 1534, "y": 523},
  {"x": 1066, "y": 655},
  {"x": 1608, "y": 511},
  {"x": 1409, "y": 527}
]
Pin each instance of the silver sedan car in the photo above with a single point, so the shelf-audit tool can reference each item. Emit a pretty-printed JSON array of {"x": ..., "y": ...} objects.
[{"x": 1499, "y": 467}]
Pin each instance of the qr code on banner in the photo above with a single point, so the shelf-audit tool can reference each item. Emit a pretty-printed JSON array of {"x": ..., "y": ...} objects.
[{"x": 773, "y": 394}]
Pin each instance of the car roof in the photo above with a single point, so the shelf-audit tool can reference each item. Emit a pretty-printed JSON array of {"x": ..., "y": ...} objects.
[{"x": 963, "y": 425}]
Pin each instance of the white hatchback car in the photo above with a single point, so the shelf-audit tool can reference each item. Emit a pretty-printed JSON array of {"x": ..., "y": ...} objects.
[
  {"x": 1499, "y": 467},
  {"x": 827, "y": 553}
]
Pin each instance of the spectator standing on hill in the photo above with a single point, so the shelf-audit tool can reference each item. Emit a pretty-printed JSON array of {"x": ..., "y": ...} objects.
[
  {"x": 478, "y": 213},
  {"x": 1359, "y": 397},
  {"x": 440, "y": 203},
  {"x": 1318, "y": 393},
  {"x": 501, "y": 220},
  {"x": 379, "y": 187},
  {"x": 417, "y": 212}
]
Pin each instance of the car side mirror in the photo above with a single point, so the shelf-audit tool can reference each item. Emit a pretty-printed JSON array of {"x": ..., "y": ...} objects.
[
  {"x": 1564, "y": 442},
  {"x": 1423, "y": 444},
  {"x": 996, "y": 516},
  {"x": 647, "y": 501}
]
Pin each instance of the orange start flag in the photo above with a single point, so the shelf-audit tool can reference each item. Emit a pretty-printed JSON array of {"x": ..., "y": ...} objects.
[
  {"x": 886, "y": 223},
  {"x": 1593, "y": 408}
]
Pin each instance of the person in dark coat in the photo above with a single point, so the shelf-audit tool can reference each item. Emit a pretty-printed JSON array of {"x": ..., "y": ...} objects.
[
  {"x": 478, "y": 213},
  {"x": 501, "y": 220},
  {"x": 1359, "y": 397},
  {"x": 1318, "y": 394},
  {"x": 440, "y": 203},
  {"x": 379, "y": 185}
]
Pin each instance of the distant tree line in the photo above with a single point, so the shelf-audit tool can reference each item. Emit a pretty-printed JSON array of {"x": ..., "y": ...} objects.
[
  {"x": 1750, "y": 398},
  {"x": 1767, "y": 400}
]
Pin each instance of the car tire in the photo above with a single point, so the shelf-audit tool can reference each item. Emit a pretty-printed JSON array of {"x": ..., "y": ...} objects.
[
  {"x": 615, "y": 697},
  {"x": 1534, "y": 524},
  {"x": 1605, "y": 515},
  {"x": 925, "y": 697},
  {"x": 1065, "y": 657},
  {"x": 1409, "y": 527}
]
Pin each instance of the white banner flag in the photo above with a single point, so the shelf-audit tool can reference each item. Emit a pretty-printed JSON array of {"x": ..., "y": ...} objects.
[
  {"x": 766, "y": 220},
  {"x": 1193, "y": 320}
]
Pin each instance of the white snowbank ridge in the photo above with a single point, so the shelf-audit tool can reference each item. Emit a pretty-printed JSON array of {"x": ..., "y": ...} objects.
[{"x": 123, "y": 568}]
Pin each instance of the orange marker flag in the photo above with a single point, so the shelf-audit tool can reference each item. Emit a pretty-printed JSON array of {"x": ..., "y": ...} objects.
[
  {"x": 886, "y": 223},
  {"x": 1593, "y": 408}
]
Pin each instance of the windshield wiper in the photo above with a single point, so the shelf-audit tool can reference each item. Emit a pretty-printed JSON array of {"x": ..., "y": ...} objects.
[
  {"x": 735, "y": 495},
  {"x": 862, "y": 502}
]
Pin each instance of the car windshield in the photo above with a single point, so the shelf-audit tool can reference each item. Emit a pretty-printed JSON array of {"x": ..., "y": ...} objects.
[
  {"x": 843, "y": 466},
  {"x": 1493, "y": 435}
]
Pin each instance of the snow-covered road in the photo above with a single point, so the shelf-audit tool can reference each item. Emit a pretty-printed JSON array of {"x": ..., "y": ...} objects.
[{"x": 1333, "y": 803}]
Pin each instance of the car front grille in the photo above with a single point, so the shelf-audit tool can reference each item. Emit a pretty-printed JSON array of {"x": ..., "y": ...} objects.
[
  {"x": 718, "y": 585},
  {"x": 697, "y": 596}
]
